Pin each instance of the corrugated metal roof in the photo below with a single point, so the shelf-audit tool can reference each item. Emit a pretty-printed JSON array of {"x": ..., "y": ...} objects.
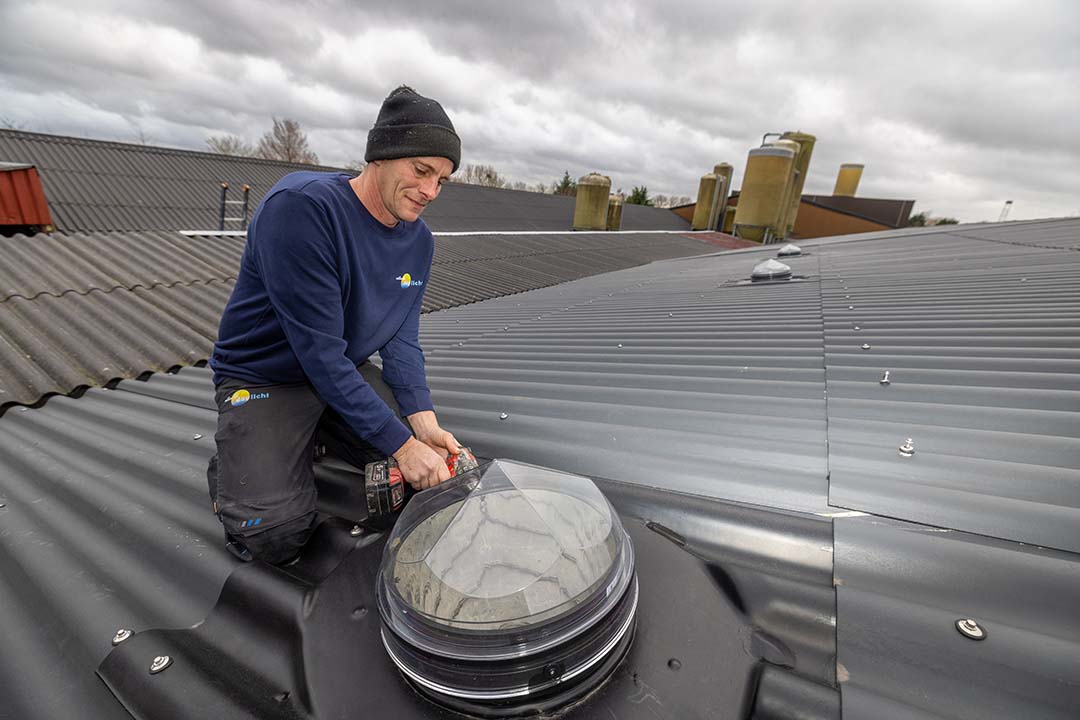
[
  {"x": 593, "y": 374},
  {"x": 982, "y": 344},
  {"x": 901, "y": 588},
  {"x": 719, "y": 389},
  {"x": 94, "y": 186},
  {"x": 106, "y": 524},
  {"x": 81, "y": 310}
]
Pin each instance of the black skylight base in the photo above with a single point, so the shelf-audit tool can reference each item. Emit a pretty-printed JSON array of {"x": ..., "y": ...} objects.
[{"x": 305, "y": 642}]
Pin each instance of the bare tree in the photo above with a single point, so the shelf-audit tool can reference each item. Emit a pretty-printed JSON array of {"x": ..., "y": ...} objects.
[
  {"x": 288, "y": 142},
  {"x": 485, "y": 175},
  {"x": 357, "y": 166},
  {"x": 229, "y": 145},
  {"x": 9, "y": 124},
  {"x": 140, "y": 135}
]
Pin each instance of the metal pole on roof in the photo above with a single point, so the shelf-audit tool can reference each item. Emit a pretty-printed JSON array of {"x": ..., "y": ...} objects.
[
  {"x": 221, "y": 214},
  {"x": 247, "y": 189}
]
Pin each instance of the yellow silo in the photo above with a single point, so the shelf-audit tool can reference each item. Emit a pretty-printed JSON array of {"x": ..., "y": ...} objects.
[
  {"x": 706, "y": 197},
  {"x": 765, "y": 181},
  {"x": 591, "y": 206},
  {"x": 802, "y": 166},
  {"x": 847, "y": 180},
  {"x": 729, "y": 219},
  {"x": 781, "y": 231},
  {"x": 614, "y": 212},
  {"x": 723, "y": 173}
]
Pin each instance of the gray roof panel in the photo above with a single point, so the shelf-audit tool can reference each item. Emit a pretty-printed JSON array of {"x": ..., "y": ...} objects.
[
  {"x": 84, "y": 309},
  {"x": 982, "y": 344},
  {"x": 900, "y": 588},
  {"x": 94, "y": 186}
]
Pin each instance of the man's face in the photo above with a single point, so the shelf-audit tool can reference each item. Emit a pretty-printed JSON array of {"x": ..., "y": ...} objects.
[{"x": 407, "y": 185}]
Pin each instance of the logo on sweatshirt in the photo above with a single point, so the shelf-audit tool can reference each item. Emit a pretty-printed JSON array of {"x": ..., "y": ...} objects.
[
  {"x": 241, "y": 397},
  {"x": 407, "y": 281}
]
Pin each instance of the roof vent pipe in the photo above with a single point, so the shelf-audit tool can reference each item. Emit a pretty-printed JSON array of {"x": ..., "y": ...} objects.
[
  {"x": 789, "y": 250},
  {"x": 771, "y": 270},
  {"x": 591, "y": 205},
  {"x": 847, "y": 180}
]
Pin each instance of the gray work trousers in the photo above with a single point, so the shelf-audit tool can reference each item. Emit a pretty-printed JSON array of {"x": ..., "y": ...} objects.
[{"x": 261, "y": 479}]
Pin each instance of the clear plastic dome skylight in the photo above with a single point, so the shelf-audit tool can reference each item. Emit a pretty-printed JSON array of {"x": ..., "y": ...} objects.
[{"x": 510, "y": 563}]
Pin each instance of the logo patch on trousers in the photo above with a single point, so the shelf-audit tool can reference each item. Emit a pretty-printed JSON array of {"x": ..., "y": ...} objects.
[{"x": 241, "y": 397}]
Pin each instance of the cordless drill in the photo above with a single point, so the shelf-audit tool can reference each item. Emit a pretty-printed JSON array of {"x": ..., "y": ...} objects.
[{"x": 385, "y": 485}]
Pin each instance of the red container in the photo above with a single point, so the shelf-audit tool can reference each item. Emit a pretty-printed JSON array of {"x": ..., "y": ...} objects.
[{"x": 22, "y": 199}]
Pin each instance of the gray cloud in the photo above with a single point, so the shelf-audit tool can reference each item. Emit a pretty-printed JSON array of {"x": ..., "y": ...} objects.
[{"x": 959, "y": 106}]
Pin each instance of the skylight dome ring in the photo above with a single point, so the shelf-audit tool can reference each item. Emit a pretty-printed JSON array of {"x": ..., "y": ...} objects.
[{"x": 506, "y": 583}]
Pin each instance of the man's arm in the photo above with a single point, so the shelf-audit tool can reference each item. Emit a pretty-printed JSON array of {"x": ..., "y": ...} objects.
[
  {"x": 403, "y": 371},
  {"x": 297, "y": 260}
]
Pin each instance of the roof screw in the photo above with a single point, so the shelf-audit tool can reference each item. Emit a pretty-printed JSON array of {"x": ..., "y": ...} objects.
[
  {"x": 847, "y": 297},
  {"x": 885, "y": 378},
  {"x": 907, "y": 449},
  {"x": 121, "y": 635},
  {"x": 620, "y": 344},
  {"x": 850, "y": 307},
  {"x": 856, "y": 327},
  {"x": 970, "y": 629},
  {"x": 865, "y": 346},
  {"x": 3, "y": 505},
  {"x": 356, "y": 531},
  {"x": 1023, "y": 279},
  {"x": 507, "y": 327},
  {"x": 160, "y": 663},
  {"x": 671, "y": 314},
  {"x": 503, "y": 416},
  {"x": 197, "y": 436}
]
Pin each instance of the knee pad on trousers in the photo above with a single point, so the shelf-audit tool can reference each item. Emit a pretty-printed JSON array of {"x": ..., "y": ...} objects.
[{"x": 280, "y": 543}]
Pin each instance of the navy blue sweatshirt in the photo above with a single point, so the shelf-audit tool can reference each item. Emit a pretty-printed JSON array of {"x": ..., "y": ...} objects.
[{"x": 322, "y": 286}]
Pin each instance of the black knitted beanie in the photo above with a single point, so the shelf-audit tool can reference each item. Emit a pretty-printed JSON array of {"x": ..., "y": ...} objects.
[{"x": 411, "y": 125}]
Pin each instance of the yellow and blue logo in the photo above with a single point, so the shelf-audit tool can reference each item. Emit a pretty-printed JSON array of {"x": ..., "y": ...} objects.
[
  {"x": 407, "y": 281},
  {"x": 241, "y": 397}
]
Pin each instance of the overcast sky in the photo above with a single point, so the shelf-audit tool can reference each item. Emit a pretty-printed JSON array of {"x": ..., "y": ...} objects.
[{"x": 958, "y": 105}]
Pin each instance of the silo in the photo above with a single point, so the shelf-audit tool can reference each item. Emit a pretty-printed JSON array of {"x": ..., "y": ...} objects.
[
  {"x": 706, "y": 196},
  {"x": 847, "y": 180},
  {"x": 765, "y": 180},
  {"x": 614, "y": 212},
  {"x": 729, "y": 219},
  {"x": 781, "y": 231},
  {"x": 591, "y": 206},
  {"x": 802, "y": 166},
  {"x": 723, "y": 173}
]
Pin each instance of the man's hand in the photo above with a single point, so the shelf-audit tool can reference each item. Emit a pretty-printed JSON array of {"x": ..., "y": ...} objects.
[
  {"x": 421, "y": 466},
  {"x": 426, "y": 428}
]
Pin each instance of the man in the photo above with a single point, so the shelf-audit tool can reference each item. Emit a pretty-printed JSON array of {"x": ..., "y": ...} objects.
[{"x": 334, "y": 269}]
